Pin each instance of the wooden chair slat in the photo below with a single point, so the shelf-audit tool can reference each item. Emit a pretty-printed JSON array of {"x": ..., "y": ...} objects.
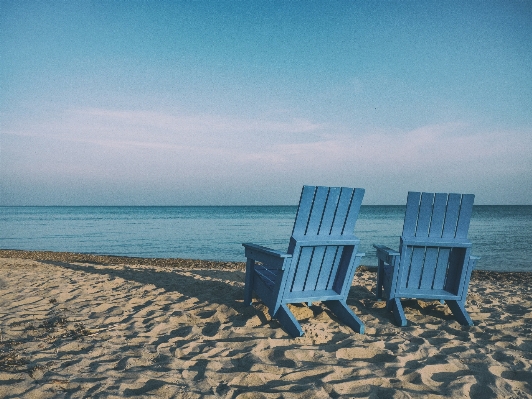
[
  {"x": 301, "y": 269},
  {"x": 416, "y": 264},
  {"x": 327, "y": 267},
  {"x": 440, "y": 273},
  {"x": 346, "y": 195},
  {"x": 411, "y": 214},
  {"x": 318, "y": 208},
  {"x": 451, "y": 215},
  {"x": 315, "y": 267},
  {"x": 334, "y": 269},
  {"x": 330, "y": 211},
  {"x": 425, "y": 215},
  {"x": 464, "y": 218},
  {"x": 438, "y": 215},
  {"x": 429, "y": 268},
  {"x": 303, "y": 211},
  {"x": 354, "y": 210}
]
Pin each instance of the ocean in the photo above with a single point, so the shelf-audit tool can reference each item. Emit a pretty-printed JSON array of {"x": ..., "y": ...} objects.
[{"x": 501, "y": 235}]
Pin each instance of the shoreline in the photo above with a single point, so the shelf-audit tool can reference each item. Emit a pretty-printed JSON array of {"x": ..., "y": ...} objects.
[
  {"x": 117, "y": 260},
  {"x": 201, "y": 264},
  {"x": 75, "y": 325}
]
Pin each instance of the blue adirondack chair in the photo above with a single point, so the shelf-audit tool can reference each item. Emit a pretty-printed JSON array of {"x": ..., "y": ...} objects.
[
  {"x": 434, "y": 261},
  {"x": 319, "y": 264}
]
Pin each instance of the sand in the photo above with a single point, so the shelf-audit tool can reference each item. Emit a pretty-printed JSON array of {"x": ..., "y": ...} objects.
[{"x": 78, "y": 326}]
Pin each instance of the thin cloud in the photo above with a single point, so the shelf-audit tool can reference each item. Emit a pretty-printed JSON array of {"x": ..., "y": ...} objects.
[
  {"x": 430, "y": 147},
  {"x": 206, "y": 123},
  {"x": 162, "y": 131}
]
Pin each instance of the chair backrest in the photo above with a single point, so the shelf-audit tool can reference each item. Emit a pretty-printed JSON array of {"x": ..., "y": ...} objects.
[
  {"x": 324, "y": 214},
  {"x": 438, "y": 216},
  {"x": 434, "y": 242}
]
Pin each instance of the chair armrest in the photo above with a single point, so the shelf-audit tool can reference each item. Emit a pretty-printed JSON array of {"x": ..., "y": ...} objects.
[
  {"x": 267, "y": 251},
  {"x": 385, "y": 254},
  {"x": 265, "y": 255},
  {"x": 436, "y": 242},
  {"x": 316, "y": 240}
]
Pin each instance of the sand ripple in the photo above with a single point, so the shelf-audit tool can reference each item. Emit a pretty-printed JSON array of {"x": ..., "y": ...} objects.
[{"x": 78, "y": 329}]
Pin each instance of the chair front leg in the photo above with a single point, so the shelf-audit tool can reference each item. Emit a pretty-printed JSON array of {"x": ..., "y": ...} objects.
[
  {"x": 459, "y": 312},
  {"x": 380, "y": 279},
  {"x": 288, "y": 321},
  {"x": 248, "y": 289},
  {"x": 346, "y": 315},
  {"x": 396, "y": 307}
]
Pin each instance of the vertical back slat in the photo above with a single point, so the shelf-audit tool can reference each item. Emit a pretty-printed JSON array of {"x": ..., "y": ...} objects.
[
  {"x": 290, "y": 273},
  {"x": 425, "y": 215},
  {"x": 346, "y": 195},
  {"x": 328, "y": 263},
  {"x": 441, "y": 269},
  {"x": 316, "y": 214},
  {"x": 303, "y": 211},
  {"x": 354, "y": 209},
  {"x": 301, "y": 271},
  {"x": 404, "y": 267},
  {"x": 330, "y": 211},
  {"x": 314, "y": 269},
  {"x": 466, "y": 209},
  {"x": 412, "y": 211},
  {"x": 416, "y": 265},
  {"x": 438, "y": 215},
  {"x": 451, "y": 215},
  {"x": 334, "y": 268},
  {"x": 429, "y": 268}
]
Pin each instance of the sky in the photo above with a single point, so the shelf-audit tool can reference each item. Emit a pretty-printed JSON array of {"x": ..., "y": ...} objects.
[{"x": 243, "y": 102}]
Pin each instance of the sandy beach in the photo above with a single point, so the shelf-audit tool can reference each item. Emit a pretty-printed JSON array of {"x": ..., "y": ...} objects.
[{"x": 81, "y": 326}]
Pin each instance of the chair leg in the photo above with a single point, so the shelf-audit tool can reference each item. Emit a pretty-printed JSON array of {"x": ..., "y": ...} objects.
[
  {"x": 395, "y": 305},
  {"x": 380, "y": 275},
  {"x": 248, "y": 288},
  {"x": 460, "y": 313},
  {"x": 346, "y": 315},
  {"x": 288, "y": 321}
]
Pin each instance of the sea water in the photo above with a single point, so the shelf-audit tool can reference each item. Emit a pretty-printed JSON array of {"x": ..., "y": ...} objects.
[{"x": 501, "y": 235}]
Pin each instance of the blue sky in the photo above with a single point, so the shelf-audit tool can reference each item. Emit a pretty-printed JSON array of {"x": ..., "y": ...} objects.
[{"x": 243, "y": 102}]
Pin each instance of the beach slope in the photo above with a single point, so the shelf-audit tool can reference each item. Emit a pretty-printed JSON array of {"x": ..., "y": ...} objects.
[{"x": 78, "y": 326}]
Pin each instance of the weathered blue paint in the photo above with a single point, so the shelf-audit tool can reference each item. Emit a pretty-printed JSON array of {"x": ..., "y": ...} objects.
[
  {"x": 434, "y": 260},
  {"x": 319, "y": 264}
]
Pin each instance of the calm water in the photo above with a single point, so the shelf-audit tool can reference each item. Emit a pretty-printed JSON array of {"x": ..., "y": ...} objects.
[{"x": 501, "y": 235}]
